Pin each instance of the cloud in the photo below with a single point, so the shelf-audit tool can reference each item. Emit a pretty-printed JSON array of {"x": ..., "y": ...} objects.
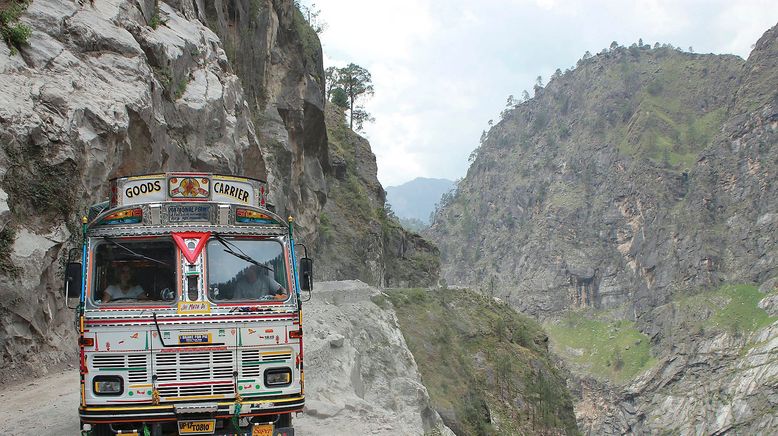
[
  {"x": 368, "y": 30},
  {"x": 442, "y": 69}
]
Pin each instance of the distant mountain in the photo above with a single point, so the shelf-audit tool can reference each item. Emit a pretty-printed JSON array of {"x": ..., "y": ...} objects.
[{"x": 416, "y": 199}]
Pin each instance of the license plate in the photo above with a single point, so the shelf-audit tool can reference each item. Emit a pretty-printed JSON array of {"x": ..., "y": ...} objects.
[
  {"x": 262, "y": 430},
  {"x": 197, "y": 427},
  {"x": 197, "y": 338}
]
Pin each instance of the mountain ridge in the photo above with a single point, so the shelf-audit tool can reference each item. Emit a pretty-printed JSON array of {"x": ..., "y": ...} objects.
[{"x": 622, "y": 190}]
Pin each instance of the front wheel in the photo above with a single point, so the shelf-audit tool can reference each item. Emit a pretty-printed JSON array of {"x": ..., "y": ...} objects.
[
  {"x": 284, "y": 420},
  {"x": 99, "y": 430}
]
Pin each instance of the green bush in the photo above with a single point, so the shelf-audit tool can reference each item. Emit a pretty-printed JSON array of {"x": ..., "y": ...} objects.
[
  {"x": 325, "y": 226},
  {"x": 7, "y": 237},
  {"x": 14, "y": 34},
  {"x": 181, "y": 88}
]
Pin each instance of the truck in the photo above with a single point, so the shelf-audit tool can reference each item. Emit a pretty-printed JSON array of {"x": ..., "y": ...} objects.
[{"x": 189, "y": 311}]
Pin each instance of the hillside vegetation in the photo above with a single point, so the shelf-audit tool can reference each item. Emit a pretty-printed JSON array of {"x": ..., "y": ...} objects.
[
  {"x": 596, "y": 345},
  {"x": 486, "y": 367}
]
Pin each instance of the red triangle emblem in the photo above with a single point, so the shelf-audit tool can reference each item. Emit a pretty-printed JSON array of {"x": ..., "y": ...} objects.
[{"x": 191, "y": 255}]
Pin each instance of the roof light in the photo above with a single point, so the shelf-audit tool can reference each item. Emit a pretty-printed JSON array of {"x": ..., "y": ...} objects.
[
  {"x": 126, "y": 216},
  {"x": 253, "y": 217}
]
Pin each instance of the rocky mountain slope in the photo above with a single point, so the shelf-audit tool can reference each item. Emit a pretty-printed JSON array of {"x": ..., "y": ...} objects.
[
  {"x": 358, "y": 239},
  {"x": 360, "y": 376},
  {"x": 639, "y": 180},
  {"x": 103, "y": 89},
  {"x": 98, "y": 92}
]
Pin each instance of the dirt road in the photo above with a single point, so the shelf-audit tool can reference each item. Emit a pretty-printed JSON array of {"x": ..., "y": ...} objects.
[{"x": 45, "y": 407}]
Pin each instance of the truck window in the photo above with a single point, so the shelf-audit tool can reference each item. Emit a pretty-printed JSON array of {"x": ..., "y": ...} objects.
[
  {"x": 134, "y": 271},
  {"x": 246, "y": 270}
]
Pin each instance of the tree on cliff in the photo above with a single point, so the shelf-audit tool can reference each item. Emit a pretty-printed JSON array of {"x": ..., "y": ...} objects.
[
  {"x": 311, "y": 15},
  {"x": 331, "y": 78},
  {"x": 356, "y": 82},
  {"x": 339, "y": 98}
]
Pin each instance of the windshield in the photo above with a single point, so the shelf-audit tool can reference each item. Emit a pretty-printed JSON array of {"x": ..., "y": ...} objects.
[
  {"x": 246, "y": 269},
  {"x": 134, "y": 271}
]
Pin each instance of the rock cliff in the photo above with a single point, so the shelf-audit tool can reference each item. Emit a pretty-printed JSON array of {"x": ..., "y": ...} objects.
[
  {"x": 358, "y": 237},
  {"x": 279, "y": 61},
  {"x": 639, "y": 180},
  {"x": 98, "y": 92},
  {"x": 103, "y": 89}
]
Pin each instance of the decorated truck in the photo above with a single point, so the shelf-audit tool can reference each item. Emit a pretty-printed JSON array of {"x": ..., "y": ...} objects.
[{"x": 189, "y": 309}]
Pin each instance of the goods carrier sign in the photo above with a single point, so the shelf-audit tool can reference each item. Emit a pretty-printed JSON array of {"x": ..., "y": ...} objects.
[{"x": 126, "y": 191}]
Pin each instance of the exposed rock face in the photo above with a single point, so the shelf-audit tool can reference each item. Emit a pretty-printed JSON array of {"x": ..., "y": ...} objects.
[
  {"x": 357, "y": 239},
  {"x": 278, "y": 58},
  {"x": 360, "y": 376},
  {"x": 98, "y": 92},
  {"x": 640, "y": 175}
]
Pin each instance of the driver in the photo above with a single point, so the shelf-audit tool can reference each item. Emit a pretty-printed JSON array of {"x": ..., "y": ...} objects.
[
  {"x": 257, "y": 284},
  {"x": 126, "y": 289}
]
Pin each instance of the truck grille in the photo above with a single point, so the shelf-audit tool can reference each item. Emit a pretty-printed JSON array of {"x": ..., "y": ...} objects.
[
  {"x": 136, "y": 365},
  {"x": 207, "y": 365},
  {"x": 183, "y": 391}
]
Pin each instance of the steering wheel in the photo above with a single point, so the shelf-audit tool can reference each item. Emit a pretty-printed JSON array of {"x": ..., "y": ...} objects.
[
  {"x": 167, "y": 294},
  {"x": 122, "y": 298}
]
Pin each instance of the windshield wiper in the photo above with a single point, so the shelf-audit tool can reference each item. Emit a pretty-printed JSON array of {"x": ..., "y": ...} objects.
[
  {"x": 241, "y": 255},
  {"x": 138, "y": 255}
]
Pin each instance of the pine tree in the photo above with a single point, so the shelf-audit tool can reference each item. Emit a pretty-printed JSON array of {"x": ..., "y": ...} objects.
[{"x": 356, "y": 82}]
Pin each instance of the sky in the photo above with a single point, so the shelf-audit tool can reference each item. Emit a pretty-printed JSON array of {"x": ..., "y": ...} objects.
[{"x": 442, "y": 69}]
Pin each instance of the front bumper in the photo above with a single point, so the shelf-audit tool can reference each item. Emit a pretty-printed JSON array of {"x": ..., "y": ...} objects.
[{"x": 167, "y": 411}]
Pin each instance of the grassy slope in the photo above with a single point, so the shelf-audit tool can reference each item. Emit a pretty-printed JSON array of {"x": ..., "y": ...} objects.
[
  {"x": 474, "y": 352},
  {"x": 615, "y": 350},
  {"x": 664, "y": 128},
  {"x": 606, "y": 349},
  {"x": 732, "y": 308}
]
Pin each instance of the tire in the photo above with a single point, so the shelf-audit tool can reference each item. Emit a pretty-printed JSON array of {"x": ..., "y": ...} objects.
[
  {"x": 284, "y": 420},
  {"x": 101, "y": 430}
]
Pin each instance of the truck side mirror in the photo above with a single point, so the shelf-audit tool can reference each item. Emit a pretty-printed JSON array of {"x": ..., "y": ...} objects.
[
  {"x": 73, "y": 280},
  {"x": 306, "y": 274}
]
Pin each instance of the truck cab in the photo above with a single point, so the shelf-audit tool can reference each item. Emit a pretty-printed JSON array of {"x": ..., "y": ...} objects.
[{"x": 190, "y": 309}]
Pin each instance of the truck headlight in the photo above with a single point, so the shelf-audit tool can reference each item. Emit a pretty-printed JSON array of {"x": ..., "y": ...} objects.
[
  {"x": 107, "y": 385},
  {"x": 275, "y": 377}
]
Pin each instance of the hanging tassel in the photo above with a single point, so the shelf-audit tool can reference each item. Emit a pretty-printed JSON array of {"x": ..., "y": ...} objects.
[
  {"x": 236, "y": 416},
  {"x": 155, "y": 397}
]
